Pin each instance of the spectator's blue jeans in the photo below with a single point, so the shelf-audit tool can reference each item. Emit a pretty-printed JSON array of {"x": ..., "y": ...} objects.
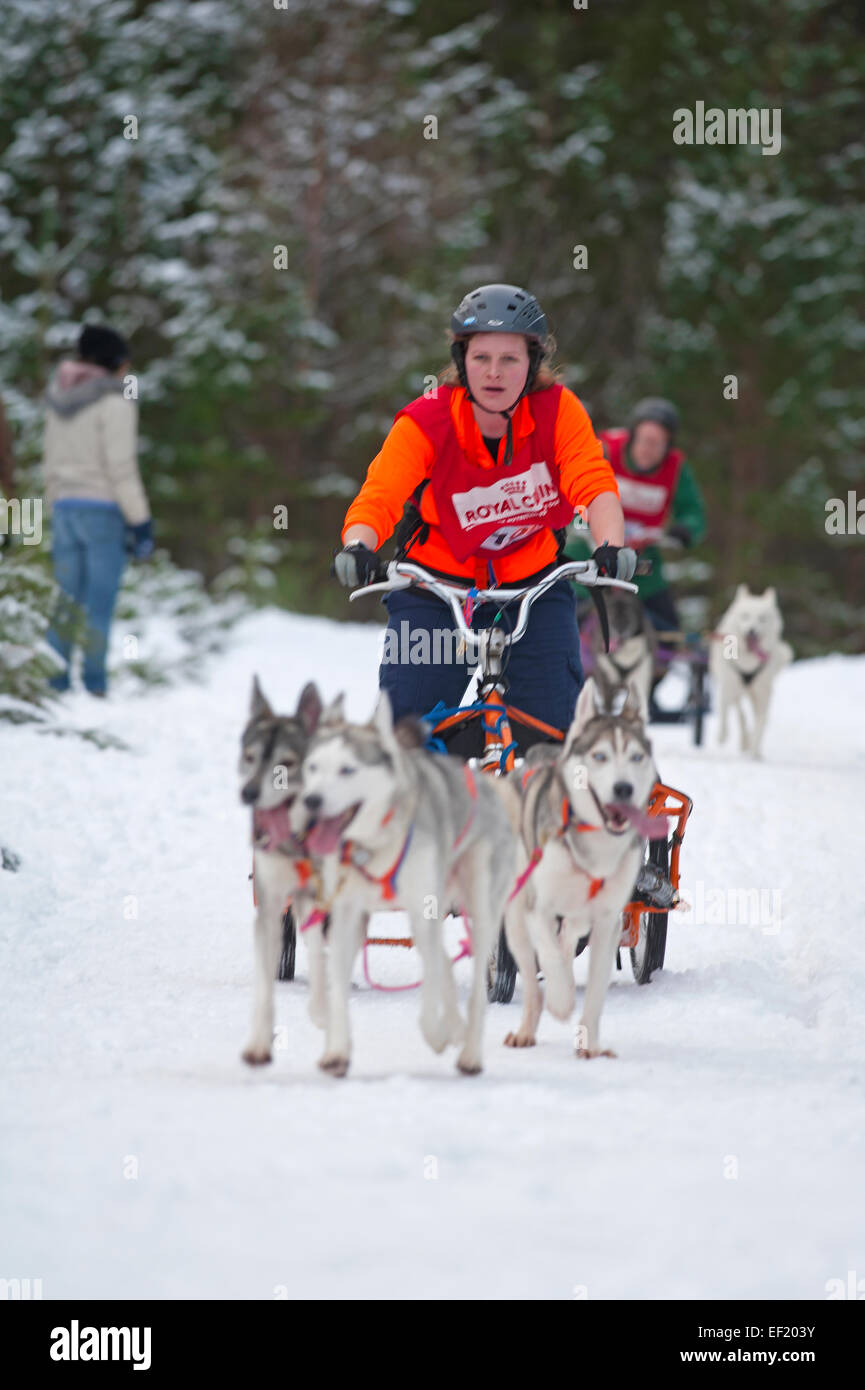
[
  {"x": 89, "y": 553},
  {"x": 543, "y": 669}
]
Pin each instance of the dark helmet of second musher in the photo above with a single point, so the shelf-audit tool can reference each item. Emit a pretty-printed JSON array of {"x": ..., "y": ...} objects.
[
  {"x": 500, "y": 309},
  {"x": 657, "y": 409}
]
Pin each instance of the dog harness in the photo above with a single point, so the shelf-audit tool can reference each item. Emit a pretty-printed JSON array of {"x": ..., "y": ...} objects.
[
  {"x": 745, "y": 677},
  {"x": 387, "y": 881},
  {"x": 566, "y": 823}
]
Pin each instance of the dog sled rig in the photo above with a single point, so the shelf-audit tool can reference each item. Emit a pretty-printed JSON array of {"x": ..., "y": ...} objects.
[{"x": 485, "y": 725}]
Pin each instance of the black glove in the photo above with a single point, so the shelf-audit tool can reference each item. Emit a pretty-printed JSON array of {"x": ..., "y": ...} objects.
[
  {"x": 680, "y": 533},
  {"x": 139, "y": 540},
  {"x": 615, "y": 561},
  {"x": 355, "y": 565}
]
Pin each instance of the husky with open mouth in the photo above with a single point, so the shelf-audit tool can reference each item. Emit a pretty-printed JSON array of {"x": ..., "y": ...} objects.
[
  {"x": 633, "y": 644},
  {"x": 583, "y": 827},
  {"x": 746, "y": 656},
  {"x": 394, "y": 826},
  {"x": 272, "y": 751}
]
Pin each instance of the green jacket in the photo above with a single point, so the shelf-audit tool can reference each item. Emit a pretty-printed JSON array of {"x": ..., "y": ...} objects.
[{"x": 688, "y": 510}]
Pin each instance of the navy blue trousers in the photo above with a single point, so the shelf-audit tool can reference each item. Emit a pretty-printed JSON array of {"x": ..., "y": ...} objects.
[{"x": 543, "y": 669}]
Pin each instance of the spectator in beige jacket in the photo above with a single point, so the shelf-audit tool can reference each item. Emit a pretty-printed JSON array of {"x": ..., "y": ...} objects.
[{"x": 98, "y": 506}]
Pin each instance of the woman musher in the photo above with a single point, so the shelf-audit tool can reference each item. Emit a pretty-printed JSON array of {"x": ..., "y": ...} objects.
[{"x": 495, "y": 462}]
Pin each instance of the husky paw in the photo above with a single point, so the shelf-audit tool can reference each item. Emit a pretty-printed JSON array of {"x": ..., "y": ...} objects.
[
  {"x": 520, "y": 1039},
  {"x": 596, "y": 1052},
  {"x": 256, "y": 1056},
  {"x": 469, "y": 1064},
  {"x": 333, "y": 1064}
]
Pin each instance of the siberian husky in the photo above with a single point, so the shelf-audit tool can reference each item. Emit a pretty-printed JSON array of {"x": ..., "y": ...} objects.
[
  {"x": 272, "y": 750},
  {"x": 393, "y": 826},
  {"x": 633, "y": 643},
  {"x": 746, "y": 656},
  {"x": 583, "y": 827}
]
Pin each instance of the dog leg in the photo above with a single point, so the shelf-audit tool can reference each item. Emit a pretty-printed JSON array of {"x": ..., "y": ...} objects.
[
  {"x": 268, "y": 942},
  {"x": 744, "y": 732},
  {"x": 533, "y": 1000},
  {"x": 345, "y": 936},
  {"x": 314, "y": 941},
  {"x": 602, "y": 952},
  {"x": 485, "y": 892},
  {"x": 723, "y": 713},
  {"x": 558, "y": 972},
  {"x": 439, "y": 1013},
  {"x": 760, "y": 707}
]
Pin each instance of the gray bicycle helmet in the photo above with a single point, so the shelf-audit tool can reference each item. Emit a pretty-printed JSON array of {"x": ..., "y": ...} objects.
[
  {"x": 500, "y": 309},
  {"x": 655, "y": 408}
]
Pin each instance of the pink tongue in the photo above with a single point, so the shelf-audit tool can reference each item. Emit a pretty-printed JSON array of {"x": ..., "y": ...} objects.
[
  {"x": 323, "y": 838},
  {"x": 274, "y": 822},
  {"x": 652, "y": 827},
  {"x": 752, "y": 642}
]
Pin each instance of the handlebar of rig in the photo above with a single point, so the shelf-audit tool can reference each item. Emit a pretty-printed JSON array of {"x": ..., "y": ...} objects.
[{"x": 402, "y": 574}]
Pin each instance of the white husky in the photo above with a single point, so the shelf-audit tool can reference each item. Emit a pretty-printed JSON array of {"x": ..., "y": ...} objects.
[
  {"x": 745, "y": 659},
  {"x": 392, "y": 826},
  {"x": 582, "y": 818}
]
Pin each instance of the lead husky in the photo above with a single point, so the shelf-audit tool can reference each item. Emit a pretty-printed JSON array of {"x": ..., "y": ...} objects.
[
  {"x": 272, "y": 750},
  {"x": 582, "y": 818},
  {"x": 396, "y": 827},
  {"x": 745, "y": 659}
]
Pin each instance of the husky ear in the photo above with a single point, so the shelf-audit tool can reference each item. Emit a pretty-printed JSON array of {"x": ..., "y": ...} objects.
[
  {"x": 770, "y": 596},
  {"x": 586, "y": 709},
  {"x": 259, "y": 707},
  {"x": 334, "y": 713},
  {"x": 410, "y": 732},
  {"x": 604, "y": 692},
  {"x": 309, "y": 707},
  {"x": 742, "y": 591},
  {"x": 635, "y": 707},
  {"x": 382, "y": 716}
]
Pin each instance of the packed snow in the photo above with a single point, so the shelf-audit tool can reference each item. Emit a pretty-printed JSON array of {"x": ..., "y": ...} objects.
[{"x": 720, "y": 1155}]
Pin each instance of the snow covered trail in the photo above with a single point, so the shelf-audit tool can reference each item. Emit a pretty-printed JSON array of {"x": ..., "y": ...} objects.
[{"x": 721, "y": 1155}]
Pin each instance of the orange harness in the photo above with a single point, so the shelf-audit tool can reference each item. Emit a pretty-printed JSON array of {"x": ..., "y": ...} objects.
[
  {"x": 566, "y": 823},
  {"x": 388, "y": 880}
]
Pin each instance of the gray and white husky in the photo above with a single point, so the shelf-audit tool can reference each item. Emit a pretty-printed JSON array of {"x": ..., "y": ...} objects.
[
  {"x": 582, "y": 809},
  {"x": 272, "y": 751},
  {"x": 746, "y": 656},
  {"x": 393, "y": 826},
  {"x": 633, "y": 643}
]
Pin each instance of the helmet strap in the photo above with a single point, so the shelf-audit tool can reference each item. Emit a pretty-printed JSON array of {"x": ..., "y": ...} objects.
[{"x": 537, "y": 353}]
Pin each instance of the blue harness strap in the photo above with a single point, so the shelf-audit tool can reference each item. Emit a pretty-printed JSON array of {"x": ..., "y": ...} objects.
[{"x": 442, "y": 711}]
